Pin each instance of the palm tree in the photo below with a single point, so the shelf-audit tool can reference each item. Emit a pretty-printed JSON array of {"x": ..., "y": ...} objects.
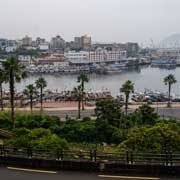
[
  {"x": 78, "y": 96},
  {"x": 82, "y": 78},
  {"x": 169, "y": 80},
  {"x": 41, "y": 84},
  {"x": 30, "y": 92},
  {"x": 2, "y": 79},
  {"x": 127, "y": 88},
  {"x": 13, "y": 72}
]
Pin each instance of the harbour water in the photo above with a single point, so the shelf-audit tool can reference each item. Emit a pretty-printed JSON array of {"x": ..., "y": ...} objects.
[{"x": 143, "y": 77}]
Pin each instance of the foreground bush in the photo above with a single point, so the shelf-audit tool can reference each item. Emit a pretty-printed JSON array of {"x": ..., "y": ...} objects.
[
  {"x": 37, "y": 138},
  {"x": 30, "y": 121},
  {"x": 160, "y": 138}
]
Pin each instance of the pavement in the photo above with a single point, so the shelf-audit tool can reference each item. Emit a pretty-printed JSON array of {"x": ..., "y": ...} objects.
[
  {"x": 161, "y": 109},
  {"x": 13, "y": 173},
  {"x": 173, "y": 112}
]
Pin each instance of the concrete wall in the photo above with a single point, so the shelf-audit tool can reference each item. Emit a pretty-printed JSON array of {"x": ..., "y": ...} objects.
[{"x": 90, "y": 166}]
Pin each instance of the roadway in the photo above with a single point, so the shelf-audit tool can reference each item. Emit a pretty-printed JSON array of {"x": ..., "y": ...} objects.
[
  {"x": 30, "y": 174},
  {"x": 163, "y": 112}
]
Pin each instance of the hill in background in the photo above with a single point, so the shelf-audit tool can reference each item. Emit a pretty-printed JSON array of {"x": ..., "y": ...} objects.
[{"x": 172, "y": 41}]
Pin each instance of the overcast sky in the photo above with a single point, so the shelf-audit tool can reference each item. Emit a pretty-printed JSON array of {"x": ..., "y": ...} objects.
[{"x": 104, "y": 20}]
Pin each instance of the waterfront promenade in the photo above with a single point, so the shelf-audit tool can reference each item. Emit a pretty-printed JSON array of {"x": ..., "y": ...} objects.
[{"x": 70, "y": 109}]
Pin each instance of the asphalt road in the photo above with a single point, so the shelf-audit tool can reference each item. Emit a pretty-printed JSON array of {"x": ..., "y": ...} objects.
[
  {"x": 71, "y": 113},
  {"x": 8, "y": 174},
  {"x": 163, "y": 112}
]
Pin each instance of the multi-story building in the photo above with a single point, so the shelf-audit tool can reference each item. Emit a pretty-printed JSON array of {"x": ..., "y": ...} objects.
[
  {"x": 90, "y": 57},
  {"x": 43, "y": 46},
  {"x": 132, "y": 49},
  {"x": 55, "y": 60},
  {"x": 77, "y": 57},
  {"x": 57, "y": 43},
  {"x": 3, "y": 43},
  {"x": 86, "y": 42},
  {"x": 26, "y": 59},
  {"x": 27, "y": 41},
  {"x": 77, "y": 43},
  {"x": 83, "y": 42},
  {"x": 40, "y": 41},
  {"x": 10, "y": 49},
  {"x": 11, "y": 43},
  {"x": 11, "y": 46}
]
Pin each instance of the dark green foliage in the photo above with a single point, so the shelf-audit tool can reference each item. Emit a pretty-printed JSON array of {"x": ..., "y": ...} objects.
[
  {"x": 5, "y": 121},
  {"x": 36, "y": 121},
  {"x": 30, "y": 121},
  {"x": 141, "y": 131},
  {"x": 109, "y": 110},
  {"x": 146, "y": 115},
  {"x": 27, "y": 52},
  {"x": 160, "y": 138},
  {"x": 108, "y": 122},
  {"x": 37, "y": 139},
  {"x": 79, "y": 131}
]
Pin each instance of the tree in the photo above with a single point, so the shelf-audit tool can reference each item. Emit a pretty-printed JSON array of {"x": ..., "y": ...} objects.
[
  {"x": 169, "y": 80},
  {"x": 41, "y": 84},
  {"x": 2, "y": 79},
  {"x": 127, "y": 88},
  {"x": 109, "y": 110},
  {"x": 13, "y": 72},
  {"x": 160, "y": 138},
  {"x": 39, "y": 138},
  {"x": 79, "y": 132},
  {"x": 30, "y": 92},
  {"x": 146, "y": 115},
  {"x": 78, "y": 96},
  {"x": 82, "y": 78}
]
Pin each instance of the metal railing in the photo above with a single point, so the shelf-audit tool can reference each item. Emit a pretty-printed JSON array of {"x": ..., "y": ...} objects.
[{"x": 166, "y": 159}]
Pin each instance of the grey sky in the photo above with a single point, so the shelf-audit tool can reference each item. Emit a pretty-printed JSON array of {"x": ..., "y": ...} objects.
[{"x": 104, "y": 20}]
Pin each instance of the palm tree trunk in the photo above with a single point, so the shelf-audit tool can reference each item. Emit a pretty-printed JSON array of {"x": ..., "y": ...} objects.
[
  {"x": 1, "y": 96},
  {"x": 31, "y": 103},
  {"x": 79, "y": 109},
  {"x": 169, "y": 103},
  {"x": 41, "y": 98},
  {"x": 83, "y": 108},
  {"x": 11, "y": 88},
  {"x": 126, "y": 104}
]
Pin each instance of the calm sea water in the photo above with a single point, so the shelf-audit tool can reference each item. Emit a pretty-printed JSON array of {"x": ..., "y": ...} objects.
[{"x": 143, "y": 77}]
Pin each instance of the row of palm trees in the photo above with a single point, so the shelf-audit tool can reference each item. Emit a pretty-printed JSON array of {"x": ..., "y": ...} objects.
[
  {"x": 79, "y": 92},
  {"x": 128, "y": 87},
  {"x": 31, "y": 91},
  {"x": 12, "y": 71}
]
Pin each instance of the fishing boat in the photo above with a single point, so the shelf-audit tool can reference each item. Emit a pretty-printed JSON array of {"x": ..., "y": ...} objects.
[{"x": 164, "y": 63}]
